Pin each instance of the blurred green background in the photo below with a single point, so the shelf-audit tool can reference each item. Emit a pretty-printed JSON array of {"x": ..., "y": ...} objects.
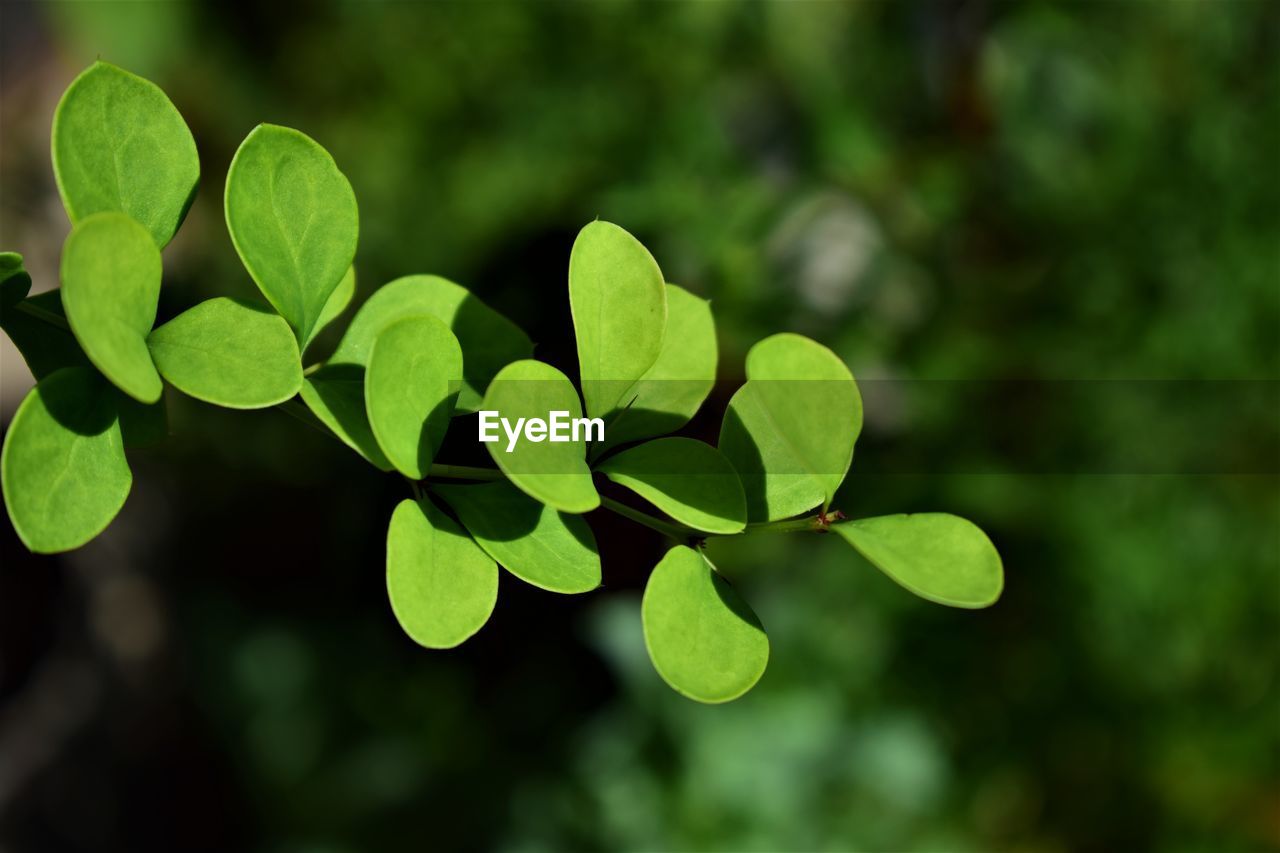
[{"x": 1001, "y": 215}]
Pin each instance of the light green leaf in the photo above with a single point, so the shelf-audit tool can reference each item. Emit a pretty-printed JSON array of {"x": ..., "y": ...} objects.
[
  {"x": 230, "y": 353},
  {"x": 414, "y": 372},
  {"x": 619, "y": 305},
  {"x": 293, "y": 220},
  {"x": 941, "y": 557},
  {"x": 555, "y": 473},
  {"x": 790, "y": 430},
  {"x": 63, "y": 467},
  {"x": 702, "y": 637},
  {"x": 335, "y": 395},
  {"x": 489, "y": 340},
  {"x": 442, "y": 586},
  {"x": 674, "y": 388},
  {"x": 549, "y": 549},
  {"x": 15, "y": 283},
  {"x": 110, "y": 289},
  {"x": 688, "y": 480},
  {"x": 338, "y": 302},
  {"x": 120, "y": 145}
]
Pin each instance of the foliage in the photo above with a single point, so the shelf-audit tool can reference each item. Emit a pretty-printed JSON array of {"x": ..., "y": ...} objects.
[{"x": 395, "y": 383}]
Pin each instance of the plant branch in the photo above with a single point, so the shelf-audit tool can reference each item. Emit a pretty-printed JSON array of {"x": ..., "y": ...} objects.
[
  {"x": 42, "y": 315},
  {"x": 466, "y": 472},
  {"x": 678, "y": 532}
]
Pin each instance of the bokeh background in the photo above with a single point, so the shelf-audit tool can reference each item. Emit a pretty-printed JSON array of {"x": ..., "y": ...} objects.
[{"x": 1046, "y": 238}]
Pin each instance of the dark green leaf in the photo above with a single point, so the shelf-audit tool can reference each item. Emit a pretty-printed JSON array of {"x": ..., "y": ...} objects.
[
  {"x": 15, "y": 283},
  {"x": 687, "y": 479},
  {"x": 335, "y": 395}
]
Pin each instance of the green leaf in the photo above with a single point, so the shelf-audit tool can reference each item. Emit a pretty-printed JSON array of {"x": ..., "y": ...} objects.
[
  {"x": 555, "y": 473},
  {"x": 489, "y": 340},
  {"x": 549, "y": 549},
  {"x": 702, "y": 637},
  {"x": 63, "y": 468},
  {"x": 442, "y": 586},
  {"x": 293, "y": 220},
  {"x": 670, "y": 392},
  {"x": 15, "y": 283},
  {"x": 335, "y": 395},
  {"x": 941, "y": 557},
  {"x": 790, "y": 430},
  {"x": 110, "y": 290},
  {"x": 120, "y": 145},
  {"x": 338, "y": 302},
  {"x": 414, "y": 371},
  {"x": 230, "y": 353},
  {"x": 688, "y": 480},
  {"x": 619, "y": 305}
]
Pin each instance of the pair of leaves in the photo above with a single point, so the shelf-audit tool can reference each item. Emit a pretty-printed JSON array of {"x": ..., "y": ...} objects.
[{"x": 442, "y": 582}]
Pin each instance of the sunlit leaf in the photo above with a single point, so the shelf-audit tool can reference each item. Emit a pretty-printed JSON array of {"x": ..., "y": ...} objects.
[
  {"x": 63, "y": 467},
  {"x": 335, "y": 395},
  {"x": 555, "y": 473},
  {"x": 688, "y": 480},
  {"x": 619, "y": 305},
  {"x": 790, "y": 430},
  {"x": 120, "y": 145},
  {"x": 293, "y": 219},
  {"x": 338, "y": 302},
  {"x": 540, "y": 545},
  {"x": 442, "y": 586},
  {"x": 702, "y": 637},
  {"x": 110, "y": 289},
  {"x": 230, "y": 353},
  {"x": 489, "y": 340},
  {"x": 941, "y": 557},
  {"x": 414, "y": 372}
]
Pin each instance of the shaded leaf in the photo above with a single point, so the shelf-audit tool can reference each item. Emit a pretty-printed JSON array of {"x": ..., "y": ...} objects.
[
  {"x": 293, "y": 220},
  {"x": 555, "y": 473},
  {"x": 442, "y": 586},
  {"x": 538, "y": 544},
  {"x": 63, "y": 467},
  {"x": 15, "y": 283},
  {"x": 619, "y": 304},
  {"x": 670, "y": 392},
  {"x": 338, "y": 302},
  {"x": 702, "y": 637},
  {"x": 120, "y": 145},
  {"x": 941, "y": 557},
  {"x": 414, "y": 372},
  {"x": 110, "y": 290},
  {"x": 790, "y": 430},
  {"x": 489, "y": 340},
  {"x": 688, "y": 480},
  {"x": 335, "y": 395},
  {"x": 230, "y": 353}
]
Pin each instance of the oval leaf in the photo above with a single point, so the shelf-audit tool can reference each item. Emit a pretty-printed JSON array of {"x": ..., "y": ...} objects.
[
  {"x": 409, "y": 387},
  {"x": 110, "y": 290},
  {"x": 63, "y": 467},
  {"x": 619, "y": 305},
  {"x": 555, "y": 473},
  {"x": 702, "y": 637},
  {"x": 230, "y": 353},
  {"x": 489, "y": 340},
  {"x": 120, "y": 145},
  {"x": 674, "y": 388},
  {"x": 442, "y": 587},
  {"x": 688, "y": 480},
  {"x": 549, "y": 549},
  {"x": 338, "y": 302},
  {"x": 335, "y": 395},
  {"x": 941, "y": 557},
  {"x": 293, "y": 220},
  {"x": 790, "y": 430},
  {"x": 15, "y": 283}
]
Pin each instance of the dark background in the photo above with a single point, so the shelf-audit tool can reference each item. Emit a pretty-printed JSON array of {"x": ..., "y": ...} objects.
[{"x": 1001, "y": 215}]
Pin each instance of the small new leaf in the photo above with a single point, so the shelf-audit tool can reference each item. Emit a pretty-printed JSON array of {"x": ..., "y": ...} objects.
[
  {"x": 63, "y": 467},
  {"x": 688, "y": 480},
  {"x": 230, "y": 353},
  {"x": 442, "y": 586},
  {"x": 110, "y": 290},
  {"x": 940, "y": 557},
  {"x": 293, "y": 220},
  {"x": 338, "y": 302},
  {"x": 702, "y": 637}
]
